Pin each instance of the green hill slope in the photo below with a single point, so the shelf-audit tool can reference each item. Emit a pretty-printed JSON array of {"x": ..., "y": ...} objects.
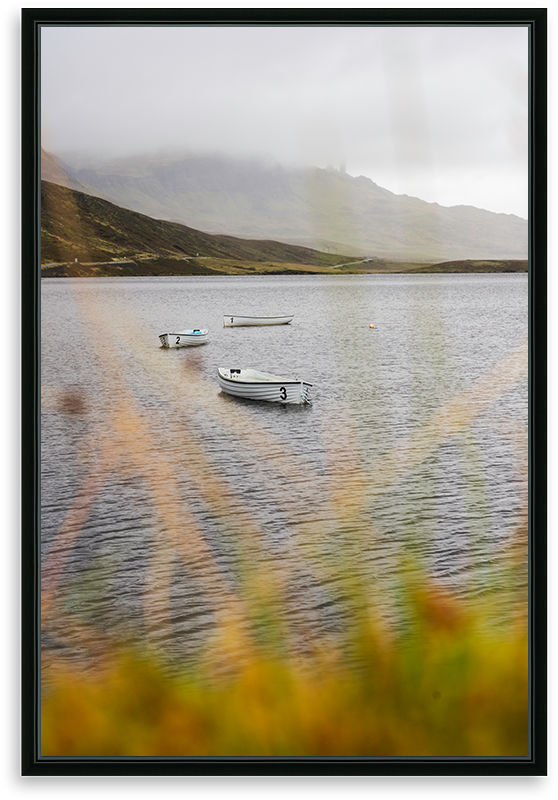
[
  {"x": 75, "y": 225},
  {"x": 83, "y": 235}
]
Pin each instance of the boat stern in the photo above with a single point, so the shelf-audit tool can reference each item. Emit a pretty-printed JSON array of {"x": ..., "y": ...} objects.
[{"x": 305, "y": 393}]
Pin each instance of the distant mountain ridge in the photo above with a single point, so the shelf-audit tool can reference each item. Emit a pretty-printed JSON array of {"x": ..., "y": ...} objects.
[
  {"x": 323, "y": 209},
  {"x": 55, "y": 171}
]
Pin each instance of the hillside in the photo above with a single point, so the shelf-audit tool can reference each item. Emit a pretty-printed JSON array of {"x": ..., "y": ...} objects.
[
  {"x": 324, "y": 209},
  {"x": 82, "y": 235},
  {"x": 75, "y": 225}
]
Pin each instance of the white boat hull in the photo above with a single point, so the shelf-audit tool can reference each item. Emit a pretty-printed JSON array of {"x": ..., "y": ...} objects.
[
  {"x": 255, "y": 385},
  {"x": 232, "y": 321},
  {"x": 183, "y": 338}
]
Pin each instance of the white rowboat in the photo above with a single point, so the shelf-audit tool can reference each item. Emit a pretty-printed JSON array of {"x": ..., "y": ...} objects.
[
  {"x": 255, "y": 385},
  {"x": 183, "y": 338},
  {"x": 232, "y": 321}
]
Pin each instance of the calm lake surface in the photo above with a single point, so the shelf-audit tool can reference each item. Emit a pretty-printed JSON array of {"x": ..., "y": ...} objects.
[{"x": 162, "y": 497}]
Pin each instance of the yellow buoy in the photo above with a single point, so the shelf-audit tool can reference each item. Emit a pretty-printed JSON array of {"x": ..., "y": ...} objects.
[{"x": 371, "y": 326}]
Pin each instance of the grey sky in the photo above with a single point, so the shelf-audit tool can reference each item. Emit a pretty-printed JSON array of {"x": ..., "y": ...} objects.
[{"x": 438, "y": 113}]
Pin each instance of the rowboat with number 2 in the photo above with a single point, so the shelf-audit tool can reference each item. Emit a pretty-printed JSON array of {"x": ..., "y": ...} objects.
[
  {"x": 232, "y": 321},
  {"x": 256, "y": 385},
  {"x": 183, "y": 338}
]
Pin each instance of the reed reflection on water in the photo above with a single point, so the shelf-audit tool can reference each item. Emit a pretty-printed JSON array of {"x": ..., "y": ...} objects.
[{"x": 169, "y": 507}]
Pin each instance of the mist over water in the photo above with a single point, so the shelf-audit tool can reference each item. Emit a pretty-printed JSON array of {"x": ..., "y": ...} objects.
[{"x": 160, "y": 494}]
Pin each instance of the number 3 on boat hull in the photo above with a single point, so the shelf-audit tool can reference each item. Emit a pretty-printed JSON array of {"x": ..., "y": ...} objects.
[{"x": 255, "y": 385}]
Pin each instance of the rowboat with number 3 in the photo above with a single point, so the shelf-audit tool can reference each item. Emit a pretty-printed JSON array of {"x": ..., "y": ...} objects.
[
  {"x": 183, "y": 338},
  {"x": 256, "y": 385},
  {"x": 232, "y": 321}
]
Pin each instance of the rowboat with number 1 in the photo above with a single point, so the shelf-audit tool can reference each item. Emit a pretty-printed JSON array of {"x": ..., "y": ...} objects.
[
  {"x": 256, "y": 385},
  {"x": 183, "y": 338},
  {"x": 232, "y": 321}
]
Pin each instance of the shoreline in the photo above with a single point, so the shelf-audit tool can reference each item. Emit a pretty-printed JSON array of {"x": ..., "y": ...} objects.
[{"x": 229, "y": 267}]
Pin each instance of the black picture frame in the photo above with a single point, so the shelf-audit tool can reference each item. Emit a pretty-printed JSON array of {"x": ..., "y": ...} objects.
[{"x": 32, "y": 764}]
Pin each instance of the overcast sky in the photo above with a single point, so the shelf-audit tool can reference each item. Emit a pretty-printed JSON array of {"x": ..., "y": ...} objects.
[{"x": 437, "y": 113}]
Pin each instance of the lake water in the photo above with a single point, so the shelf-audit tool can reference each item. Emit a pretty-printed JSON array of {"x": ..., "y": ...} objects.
[{"x": 166, "y": 503}]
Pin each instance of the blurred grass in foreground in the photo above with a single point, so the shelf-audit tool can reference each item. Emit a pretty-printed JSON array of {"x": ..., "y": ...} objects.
[{"x": 452, "y": 685}]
